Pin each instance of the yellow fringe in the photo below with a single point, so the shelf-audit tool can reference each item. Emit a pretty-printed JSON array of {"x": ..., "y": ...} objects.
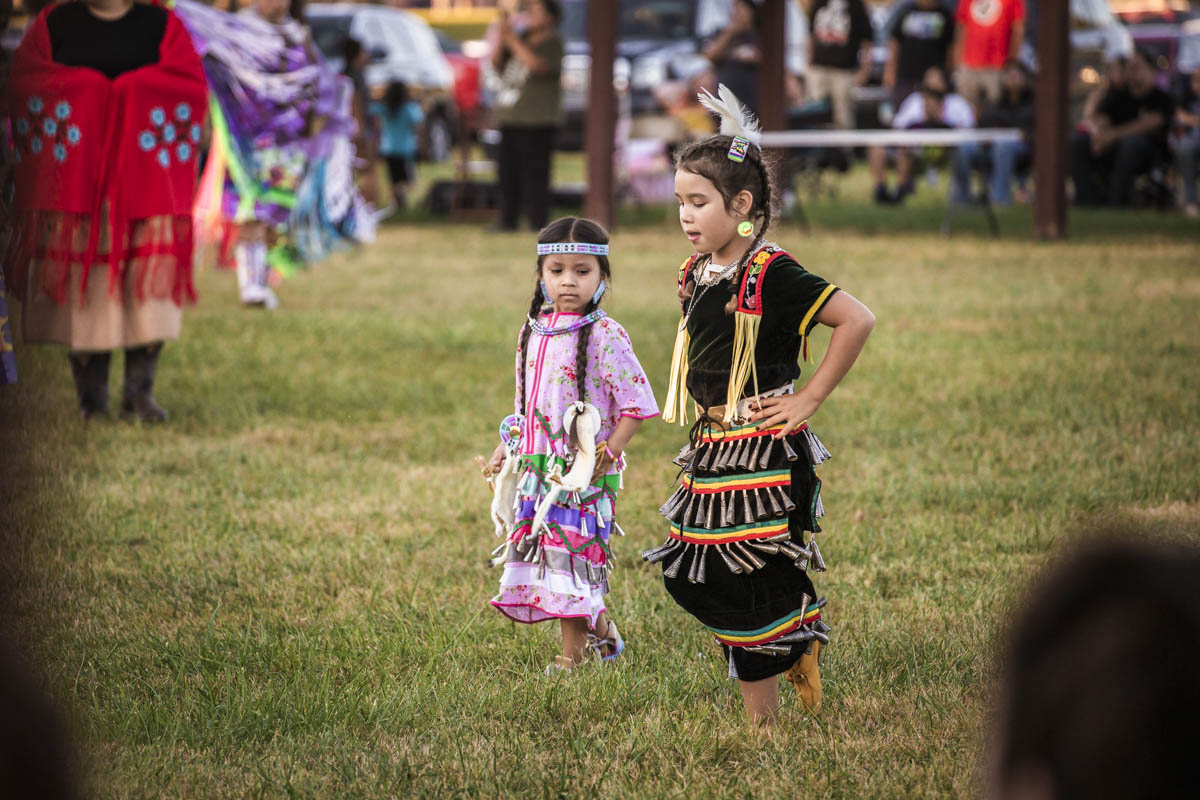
[
  {"x": 744, "y": 367},
  {"x": 676, "y": 405}
]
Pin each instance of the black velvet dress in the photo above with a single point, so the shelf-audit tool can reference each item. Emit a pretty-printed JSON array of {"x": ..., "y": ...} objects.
[{"x": 745, "y": 513}]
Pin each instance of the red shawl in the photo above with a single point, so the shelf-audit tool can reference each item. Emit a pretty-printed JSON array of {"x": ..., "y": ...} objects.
[{"x": 86, "y": 144}]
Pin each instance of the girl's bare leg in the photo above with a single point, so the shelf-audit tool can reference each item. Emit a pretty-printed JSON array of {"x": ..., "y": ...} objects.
[
  {"x": 761, "y": 699},
  {"x": 574, "y": 639}
]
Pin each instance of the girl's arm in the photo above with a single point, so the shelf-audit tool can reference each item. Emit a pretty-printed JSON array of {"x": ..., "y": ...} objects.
[
  {"x": 617, "y": 442},
  {"x": 527, "y": 55},
  {"x": 852, "y": 323}
]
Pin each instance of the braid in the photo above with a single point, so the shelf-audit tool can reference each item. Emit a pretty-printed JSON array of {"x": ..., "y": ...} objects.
[
  {"x": 767, "y": 182},
  {"x": 581, "y": 346},
  {"x": 535, "y": 306}
]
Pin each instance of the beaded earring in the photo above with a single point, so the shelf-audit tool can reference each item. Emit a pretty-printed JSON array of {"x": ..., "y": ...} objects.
[{"x": 599, "y": 292}]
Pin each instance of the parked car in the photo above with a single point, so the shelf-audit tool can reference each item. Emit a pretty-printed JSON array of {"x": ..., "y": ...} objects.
[{"x": 402, "y": 47}]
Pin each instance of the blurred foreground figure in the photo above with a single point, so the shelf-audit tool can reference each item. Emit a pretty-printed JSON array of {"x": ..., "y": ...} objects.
[
  {"x": 278, "y": 187},
  {"x": 1101, "y": 690},
  {"x": 107, "y": 102}
]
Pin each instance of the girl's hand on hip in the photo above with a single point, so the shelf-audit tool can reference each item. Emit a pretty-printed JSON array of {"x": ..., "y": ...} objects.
[{"x": 789, "y": 409}]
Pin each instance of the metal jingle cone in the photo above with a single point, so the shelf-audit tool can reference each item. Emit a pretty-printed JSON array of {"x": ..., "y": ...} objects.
[
  {"x": 710, "y": 512},
  {"x": 673, "y": 502},
  {"x": 724, "y": 462},
  {"x": 790, "y": 550},
  {"x": 783, "y": 536},
  {"x": 746, "y": 565},
  {"x": 821, "y": 637},
  {"x": 792, "y": 455},
  {"x": 695, "y": 566},
  {"x": 738, "y": 461},
  {"x": 755, "y": 560},
  {"x": 821, "y": 627},
  {"x": 818, "y": 507},
  {"x": 752, "y": 511},
  {"x": 802, "y": 563},
  {"x": 785, "y": 497},
  {"x": 691, "y": 514},
  {"x": 764, "y": 546},
  {"x": 710, "y": 452},
  {"x": 804, "y": 598},
  {"x": 747, "y": 515},
  {"x": 726, "y": 513},
  {"x": 818, "y": 562},
  {"x": 771, "y": 649},
  {"x": 672, "y": 571},
  {"x": 702, "y": 557},
  {"x": 798, "y": 635},
  {"x": 753, "y": 451},
  {"x": 729, "y": 562},
  {"x": 776, "y": 507},
  {"x": 768, "y": 445},
  {"x": 659, "y": 553}
]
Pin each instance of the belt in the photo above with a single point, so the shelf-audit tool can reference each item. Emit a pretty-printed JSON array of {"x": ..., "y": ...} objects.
[{"x": 716, "y": 414}]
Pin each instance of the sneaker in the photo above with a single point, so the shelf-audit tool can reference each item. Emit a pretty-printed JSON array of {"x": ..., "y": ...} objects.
[{"x": 882, "y": 196}]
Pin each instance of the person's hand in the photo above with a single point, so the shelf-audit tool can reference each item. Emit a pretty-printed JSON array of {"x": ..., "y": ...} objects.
[
  {"x": 789, "y": 409},
  {"x": 496, "y": 463},
  {"x": 604, "y": 462}
]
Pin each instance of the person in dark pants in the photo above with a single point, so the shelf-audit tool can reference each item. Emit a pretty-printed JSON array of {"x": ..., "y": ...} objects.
[
  {"x": 529, "y": 110},
  {"x": 1122, "y": 140}
]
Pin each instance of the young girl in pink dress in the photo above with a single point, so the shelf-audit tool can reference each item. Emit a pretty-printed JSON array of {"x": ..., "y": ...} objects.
[{"x": 568, "y": 351}]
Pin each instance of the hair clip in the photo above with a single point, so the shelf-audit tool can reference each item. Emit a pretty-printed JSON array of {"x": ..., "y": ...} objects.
[{"x": 738, "y": 149}]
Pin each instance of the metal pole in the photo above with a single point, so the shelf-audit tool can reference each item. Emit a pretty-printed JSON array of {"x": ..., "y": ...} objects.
[
  {"x": 600, "y": 128},
  {"x": 1050, "y": 136}
]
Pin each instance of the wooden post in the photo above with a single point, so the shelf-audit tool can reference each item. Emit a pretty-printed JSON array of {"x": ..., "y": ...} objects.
[
  {"x": 1050, "y": 136},
  {"x": 772, "y": 107},
  {"x": 601, "y": 116}
]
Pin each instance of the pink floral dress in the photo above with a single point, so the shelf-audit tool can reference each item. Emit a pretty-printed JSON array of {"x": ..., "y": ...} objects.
[{"x": 562, "y": 570}]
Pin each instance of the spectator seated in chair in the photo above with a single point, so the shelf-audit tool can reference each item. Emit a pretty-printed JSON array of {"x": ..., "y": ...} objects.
[
  {"x": 1000, "y": 161},
  {"x": 1185, "y": 142},
  {"x": 933, "y": 105},
  {"x": 1126, "y": 137}
]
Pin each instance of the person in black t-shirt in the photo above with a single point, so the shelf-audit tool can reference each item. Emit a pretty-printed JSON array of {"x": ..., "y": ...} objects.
[
  {"x": 920, "y": 36},
  {"x": 841, "y": 54},
  {"x": 1123, "y": 139}
]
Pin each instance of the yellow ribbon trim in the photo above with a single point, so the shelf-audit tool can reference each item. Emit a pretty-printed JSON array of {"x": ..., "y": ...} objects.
[
  {"x": 676, "y": 405},
  {"x": 812, "y": 312}
]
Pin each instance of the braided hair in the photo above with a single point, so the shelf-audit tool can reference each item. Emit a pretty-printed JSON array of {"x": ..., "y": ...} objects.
[{"x": 566, "y": 229}]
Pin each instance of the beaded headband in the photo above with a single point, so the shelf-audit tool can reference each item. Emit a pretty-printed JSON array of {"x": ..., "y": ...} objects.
[
  {"x": 738, "y": 148},
  {"x": 587, "y": 248}
]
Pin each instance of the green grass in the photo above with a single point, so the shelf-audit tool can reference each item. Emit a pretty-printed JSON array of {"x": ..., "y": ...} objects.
[{"x": 283, "y": 592}]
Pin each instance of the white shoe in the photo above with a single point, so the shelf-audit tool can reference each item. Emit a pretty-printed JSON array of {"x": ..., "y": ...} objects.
[{"x": 259, "y": 296}]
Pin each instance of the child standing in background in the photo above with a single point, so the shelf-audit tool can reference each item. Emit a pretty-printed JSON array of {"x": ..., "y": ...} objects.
[{"x": 399, "y": 117}]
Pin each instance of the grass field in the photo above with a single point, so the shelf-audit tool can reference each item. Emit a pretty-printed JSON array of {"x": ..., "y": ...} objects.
[{"x": 283, "y": 592}]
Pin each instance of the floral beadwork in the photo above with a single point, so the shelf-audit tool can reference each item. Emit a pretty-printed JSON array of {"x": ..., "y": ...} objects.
[
  {"x": 40, "y": 132},
  {"x": 161, "y": 140}
]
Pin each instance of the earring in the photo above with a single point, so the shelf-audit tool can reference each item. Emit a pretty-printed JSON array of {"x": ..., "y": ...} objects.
[
  {"x": 546, "y": 301},
  {"x": 599, "y": 292},
  {"x": 745, "y": 228}
]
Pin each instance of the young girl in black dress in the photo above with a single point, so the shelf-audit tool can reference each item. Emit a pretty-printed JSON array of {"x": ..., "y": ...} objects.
[{"x": 744, "y": 517}]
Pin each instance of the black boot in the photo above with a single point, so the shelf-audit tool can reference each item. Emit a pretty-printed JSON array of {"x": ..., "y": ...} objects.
[
  {"x": 138, "y": 398},
  {"x": 91, "y": 382}
]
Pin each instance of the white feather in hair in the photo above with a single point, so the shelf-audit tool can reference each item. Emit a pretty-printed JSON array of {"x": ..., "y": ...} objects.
[{"x": 736, "y": 119}]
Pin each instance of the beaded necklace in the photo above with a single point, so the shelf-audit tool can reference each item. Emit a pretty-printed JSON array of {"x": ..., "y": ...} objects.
[{"x": 539, "y": 327}]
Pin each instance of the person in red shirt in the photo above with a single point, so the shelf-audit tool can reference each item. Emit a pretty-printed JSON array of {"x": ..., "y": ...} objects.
[{"x": 988, "y": 35}]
